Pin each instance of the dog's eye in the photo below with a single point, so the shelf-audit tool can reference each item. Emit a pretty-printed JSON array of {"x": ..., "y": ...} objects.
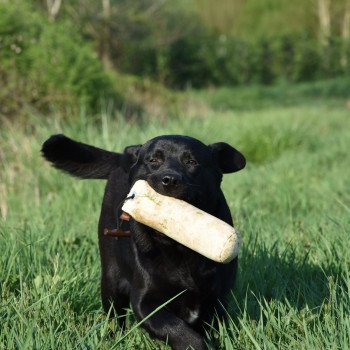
[
  {"x": 191, "y": 162},
  {"x": 154, "y": 160}
]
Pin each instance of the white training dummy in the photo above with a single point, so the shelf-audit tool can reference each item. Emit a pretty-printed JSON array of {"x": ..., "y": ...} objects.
[{"x": 186, "y": 224}]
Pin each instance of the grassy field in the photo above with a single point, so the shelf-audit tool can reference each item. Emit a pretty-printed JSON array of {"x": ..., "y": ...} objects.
[{"x": 291, "y": 204}]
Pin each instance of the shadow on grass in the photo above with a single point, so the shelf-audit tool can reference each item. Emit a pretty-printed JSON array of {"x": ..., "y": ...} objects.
[{"x": 280, "y": 276}]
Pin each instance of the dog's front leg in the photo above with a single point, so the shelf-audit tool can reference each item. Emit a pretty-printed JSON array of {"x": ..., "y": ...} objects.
[{"x": 165, "y": 325}]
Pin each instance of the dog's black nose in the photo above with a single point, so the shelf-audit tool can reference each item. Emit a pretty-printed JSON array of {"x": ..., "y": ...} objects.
[{"x": 171, "y": 180}]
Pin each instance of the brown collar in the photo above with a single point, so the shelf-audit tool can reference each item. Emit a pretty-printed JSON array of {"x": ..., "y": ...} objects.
[{"x": 119, "y": 232}]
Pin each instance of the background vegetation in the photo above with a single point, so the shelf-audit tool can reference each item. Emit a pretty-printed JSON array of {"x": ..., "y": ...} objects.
[
  {"x": 59, "y": 55},
  {"x": 271, "y": 77}
]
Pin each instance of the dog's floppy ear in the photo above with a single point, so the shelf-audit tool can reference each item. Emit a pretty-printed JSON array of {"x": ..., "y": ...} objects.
[
  {"x": 229, "y": 159},
  {"x": 79, "y": 159},
  {"x": 130, "y": 156}
]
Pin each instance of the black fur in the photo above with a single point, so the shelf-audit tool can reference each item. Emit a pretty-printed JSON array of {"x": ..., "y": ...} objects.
[{"x": 149, "y": 268}]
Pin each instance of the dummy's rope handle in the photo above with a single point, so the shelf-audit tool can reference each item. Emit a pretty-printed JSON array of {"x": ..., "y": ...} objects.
[{"x": 119, "y": 232}]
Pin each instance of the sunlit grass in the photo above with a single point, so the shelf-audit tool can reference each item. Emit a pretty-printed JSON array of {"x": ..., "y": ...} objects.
[{"x": 291, "y": 204}]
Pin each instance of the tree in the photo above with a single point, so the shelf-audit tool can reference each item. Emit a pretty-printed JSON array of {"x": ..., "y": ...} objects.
[
  {"x": 114, "y": 25},
  {"x": 324, "y": 16},
  {"x": 53, "y": 8},
  {"x": 345, "y": 33},
  {"x": 105, "y": 49}
]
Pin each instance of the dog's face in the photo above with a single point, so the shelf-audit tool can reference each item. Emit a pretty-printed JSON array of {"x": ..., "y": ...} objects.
[{"x": 184, "y": 168}]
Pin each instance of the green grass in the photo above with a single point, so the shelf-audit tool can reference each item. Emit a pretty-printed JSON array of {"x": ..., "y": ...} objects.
[
  {"x": 287, "y": 95},
  {"x": 291, "y": 204}
]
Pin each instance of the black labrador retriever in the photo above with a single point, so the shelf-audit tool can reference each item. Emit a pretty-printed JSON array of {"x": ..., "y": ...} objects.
[{"x": 148, "y": 268}]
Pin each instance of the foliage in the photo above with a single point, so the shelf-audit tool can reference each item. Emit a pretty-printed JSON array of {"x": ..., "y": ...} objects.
[
  {"x": 291, "y": 205},
  {"x": 250, "y": 19},
  {"x": 203, "y": 58},
  {"x": 84, "y": 57},
  {"x": 47, "y": 65},
  {"x": 210, "y": 59}
]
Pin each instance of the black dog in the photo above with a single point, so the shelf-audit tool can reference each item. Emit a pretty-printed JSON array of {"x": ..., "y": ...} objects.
[{"x": 148, "y": 268}]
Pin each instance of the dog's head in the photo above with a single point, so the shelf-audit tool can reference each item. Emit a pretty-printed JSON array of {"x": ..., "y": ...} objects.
[
  {"x": 184, "y": 168},
  {"x": 176, "y": 166}
]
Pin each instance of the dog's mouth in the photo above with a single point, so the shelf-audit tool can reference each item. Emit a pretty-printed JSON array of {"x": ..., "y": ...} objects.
[{"x": 179, "y": 191}]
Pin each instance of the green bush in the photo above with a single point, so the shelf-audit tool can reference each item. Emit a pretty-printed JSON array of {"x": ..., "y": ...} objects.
[
  {"x": 191, "y": 61},
  {"x": 307, "y": 61},
  {"x": 47, "y": 65},
  {"x": 53, "y": 65},
  {"x": 235, "y": 61},
  {"x": 204, "y": 58}
]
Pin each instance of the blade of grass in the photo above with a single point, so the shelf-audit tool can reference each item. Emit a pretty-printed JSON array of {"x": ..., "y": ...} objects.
[{"x": 147, "y": 317}]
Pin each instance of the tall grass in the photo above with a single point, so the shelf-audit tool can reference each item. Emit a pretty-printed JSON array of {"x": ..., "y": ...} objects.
[{"x": 291, "y": 204}]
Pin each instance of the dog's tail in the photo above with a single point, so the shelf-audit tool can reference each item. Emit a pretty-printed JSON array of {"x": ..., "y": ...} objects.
[{"x": 79, "y": 159}]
